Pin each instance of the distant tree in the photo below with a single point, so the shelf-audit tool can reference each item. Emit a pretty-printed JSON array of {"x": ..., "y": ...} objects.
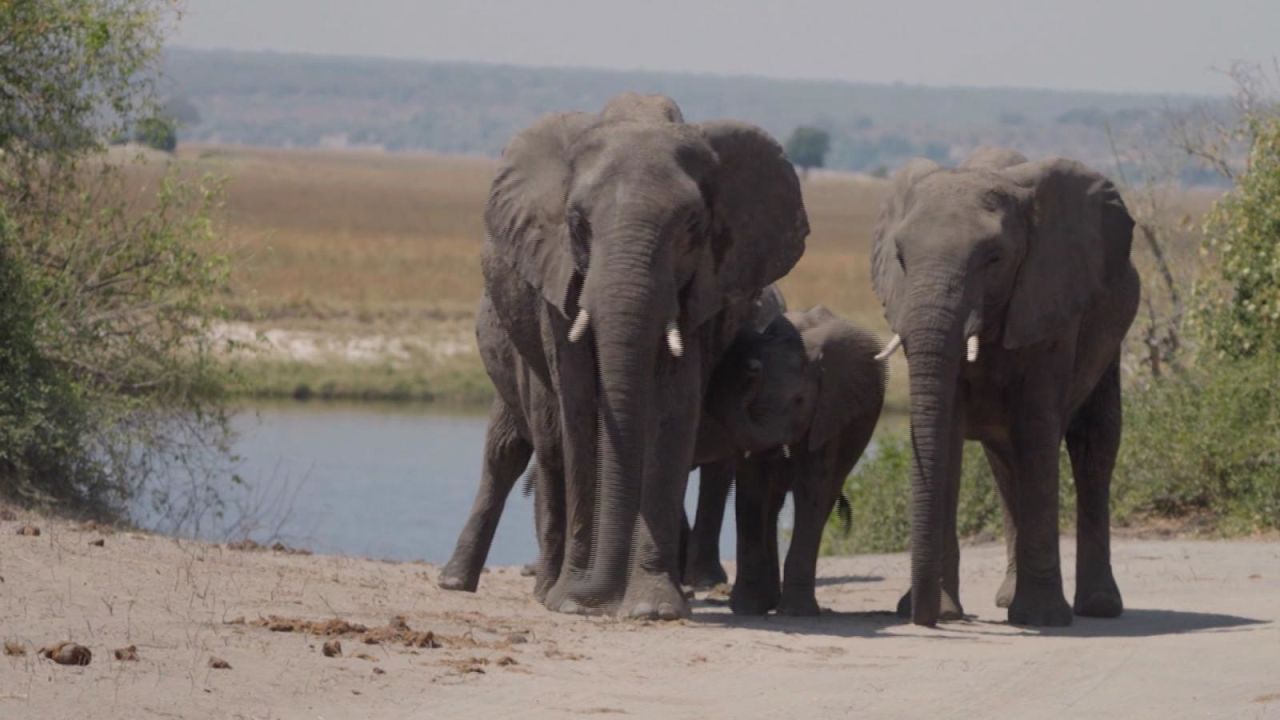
[
  {"x": 158, "y": 133},
  {"x": 181, "y": 110},
  {"x": 807, "y": 147}
]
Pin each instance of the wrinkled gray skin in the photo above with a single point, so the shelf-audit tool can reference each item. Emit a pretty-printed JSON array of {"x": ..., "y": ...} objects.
[
  {"x": 525, "y": 414},
  {"x": 641, "y": 220},
  {"x": 1033, "y": 259},
  {"x": 715, "y": 456},
  {"x": 809, "y": 382}
]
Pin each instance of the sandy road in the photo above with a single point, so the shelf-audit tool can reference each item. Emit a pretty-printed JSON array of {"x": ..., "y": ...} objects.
[{"x": 1201, "y": 639}]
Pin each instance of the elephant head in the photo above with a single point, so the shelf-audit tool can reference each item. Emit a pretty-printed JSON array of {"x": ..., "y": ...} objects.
[
  {"x": 994, "y": 257},
  {"x": 637, "y": 228},
  {"x": 794, "y": 382}
]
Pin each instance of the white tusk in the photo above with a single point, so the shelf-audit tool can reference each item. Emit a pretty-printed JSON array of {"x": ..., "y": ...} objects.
[
  {"x": 674, "y": 343},
  {"x": 579, "y": 325},
  {"x": 891, "y": 348},
  {"x": 786, "y": 451},
  {"x": 972, "y": 349},
  {"x": 746, "y": 454}
]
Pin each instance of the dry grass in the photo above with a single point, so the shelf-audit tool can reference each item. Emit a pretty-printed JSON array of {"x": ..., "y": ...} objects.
[{"x": 362, "y": 244}]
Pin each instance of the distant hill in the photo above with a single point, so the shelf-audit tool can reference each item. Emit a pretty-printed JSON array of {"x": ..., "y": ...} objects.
[{"x": 289, "y": 100}]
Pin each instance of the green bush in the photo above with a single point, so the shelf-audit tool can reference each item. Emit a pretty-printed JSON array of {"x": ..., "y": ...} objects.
[
  {"x": 1239, "y": 296},
  {"x": 108, "y": 386},
  {"x": 1204, "y": 445}
]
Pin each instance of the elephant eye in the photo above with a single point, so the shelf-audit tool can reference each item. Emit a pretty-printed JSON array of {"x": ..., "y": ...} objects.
[
  {"x": 992, "y": 259},
  {"x": 579, "y": 235}
]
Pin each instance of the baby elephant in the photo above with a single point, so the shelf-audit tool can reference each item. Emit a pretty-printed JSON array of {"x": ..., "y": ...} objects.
[{"x": 803, "y": 397}]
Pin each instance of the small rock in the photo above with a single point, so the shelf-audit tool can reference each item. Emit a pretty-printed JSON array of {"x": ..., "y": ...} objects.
[
  {"x": 98, "y": 543},
  {"x": 68, "y": 653},
  {"x": 13, "y": 648},
  {"x": 29, "y": 531},
  {"x": 506, "y": 660},
  {"x": 379, "y": 671},
  {"x": 127, "y": 654},
  {"x": 365, "y": 656},
  {"x": 332, "y": 648},
  {"x": 218, "y": 663},
  {"x": 518, "y": 638}
]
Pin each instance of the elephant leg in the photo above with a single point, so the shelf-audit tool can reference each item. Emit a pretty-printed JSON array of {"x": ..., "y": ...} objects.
[
  {"x": 506, "y": 455},
  {"x": 1093, "y": 439},
  {"x": 573, "y": 491},
  {"x": 814, "y": 495},
  {"x": 1038, "y": 598},
  {"x": 549, "y": 500},
  {"x": 756, "y": 588},
  {"x": 653, "y": 586},
  {"x": 998, "y": 456},
  {"x": 702, "y": 567}
]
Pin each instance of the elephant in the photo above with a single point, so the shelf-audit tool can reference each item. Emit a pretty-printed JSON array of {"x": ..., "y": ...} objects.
[
  {"x": 624, "y": 250},
  {"x": 1008, "y": 283},
  {"x": 799, "y": 401},
  {"x": 524, "y": 413},
  {"x": 715, "y": 456}
]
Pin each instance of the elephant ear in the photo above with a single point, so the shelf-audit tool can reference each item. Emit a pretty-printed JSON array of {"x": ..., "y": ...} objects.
[
  {"x": 1077, "y": 245},
  {"x": 851, "y": 382},
  {"x": 886, "y": 272},
  {"x": 525, "y": 214},
  {"x": 760, "y": 223}
]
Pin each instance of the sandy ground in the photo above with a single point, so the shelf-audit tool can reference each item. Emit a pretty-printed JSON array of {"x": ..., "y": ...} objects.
[{"x": 1200, "y": 639}]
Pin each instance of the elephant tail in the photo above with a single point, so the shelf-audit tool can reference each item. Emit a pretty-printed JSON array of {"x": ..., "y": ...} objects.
[{"x": 845, "y": 511}]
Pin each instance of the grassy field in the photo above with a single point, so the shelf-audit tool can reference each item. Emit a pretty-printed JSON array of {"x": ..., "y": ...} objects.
[{"x": 355, "y": 274}]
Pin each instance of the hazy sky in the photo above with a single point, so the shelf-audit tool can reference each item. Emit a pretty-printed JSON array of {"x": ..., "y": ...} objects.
[{"x": 1165, "y": 46}]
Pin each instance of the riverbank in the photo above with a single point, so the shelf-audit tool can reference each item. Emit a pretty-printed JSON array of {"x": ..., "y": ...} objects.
[{"x": 1200, "y": 638}]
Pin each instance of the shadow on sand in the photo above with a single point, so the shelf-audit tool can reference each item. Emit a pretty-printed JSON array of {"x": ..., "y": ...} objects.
[
  {"x": 843, "y": 579},
  {"x": 1137, "y": 622},
  {"x": 1143, "y": 622}
]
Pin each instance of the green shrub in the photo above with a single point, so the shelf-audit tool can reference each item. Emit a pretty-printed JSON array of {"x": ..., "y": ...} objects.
[
  {"x": 1239, "y": 296},
  {"x": 1206, "y": 444},
  {"x": 108, "y": 387}
]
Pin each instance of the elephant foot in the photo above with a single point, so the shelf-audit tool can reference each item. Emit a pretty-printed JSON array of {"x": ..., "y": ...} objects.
[
  {"x": 750, "y": 598},
  {"x": 559, "y": 595},
  {"x": 653, "y": 597},
  {"x": 950, "y": 609},
  {"x": 452, "y": 577},
  {"x": 1100, "y": 599},
  {"x": 1040, "y": 605},
  {"x": 704, "y": 576},
  {"x": 1004, "y": 596},
  {"x": 798, "y": 602}
]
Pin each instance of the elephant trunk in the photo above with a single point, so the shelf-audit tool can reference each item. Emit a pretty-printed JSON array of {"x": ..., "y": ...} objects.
[
  {"x": 935, "y": 343},
  {"x": 629, "y": 304}
]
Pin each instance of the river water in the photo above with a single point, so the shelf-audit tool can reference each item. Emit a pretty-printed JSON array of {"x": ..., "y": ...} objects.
[{"x": 377, "y": 481}]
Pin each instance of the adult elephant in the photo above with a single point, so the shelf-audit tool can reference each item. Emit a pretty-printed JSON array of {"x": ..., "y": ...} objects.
[
  {"x": 624, "y": 251},
  {"x": 1010, "y": 288}
]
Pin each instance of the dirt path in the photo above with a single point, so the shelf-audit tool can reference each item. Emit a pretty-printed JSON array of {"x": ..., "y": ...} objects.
[{"x": 1200, "y": 639}]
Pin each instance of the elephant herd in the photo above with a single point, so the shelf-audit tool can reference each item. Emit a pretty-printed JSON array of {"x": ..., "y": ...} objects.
[{"x": 633, "y": 332}]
